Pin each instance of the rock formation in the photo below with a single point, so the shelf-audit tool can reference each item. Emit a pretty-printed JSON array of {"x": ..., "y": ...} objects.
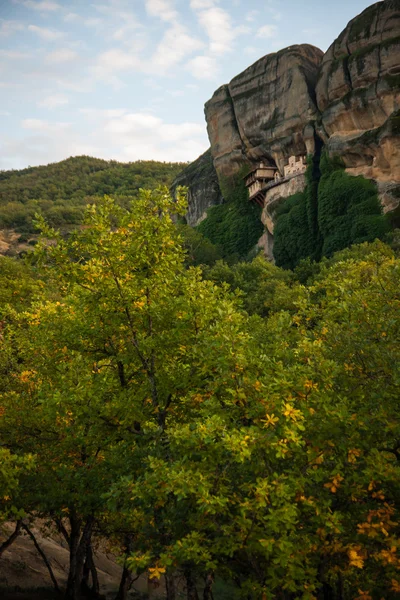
[
  {"x": 266, "y": 111},
  {"x": 201, "y": 180},
  {"x": 274, "y": 196},
  {"x": 289, "y": 101},
  {"x": 358, "y": 93}
]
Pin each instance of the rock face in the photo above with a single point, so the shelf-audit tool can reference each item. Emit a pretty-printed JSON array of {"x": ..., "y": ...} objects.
[
  {"x": 265, "y": 112},
  {"x": 201, "y": 180},
  {"x": 358, "y": 93},
  {"x": 274, "y": 197},
  {"x": 290, "y": 102}
]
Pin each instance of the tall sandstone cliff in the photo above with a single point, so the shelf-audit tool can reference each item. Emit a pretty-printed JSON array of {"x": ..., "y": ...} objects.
[
  {"x": 265, "y": 111},
  {"x": 358, "y": 94},
  {"x": 288, "y": 102}
]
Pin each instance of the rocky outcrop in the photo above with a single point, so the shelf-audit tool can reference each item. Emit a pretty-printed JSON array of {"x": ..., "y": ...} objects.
[
  {"x": 289, "y": 102},
  {"x": 276, "y": 195},
  {"x": 201, "y": 180},
  {"x": 358, "y": 93},
  {"x": 265, "y": 112}
]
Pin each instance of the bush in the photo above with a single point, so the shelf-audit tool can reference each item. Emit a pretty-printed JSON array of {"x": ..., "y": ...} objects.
[
  {"x": 331, "y": 214},
  {"x": 234, "y": 227}
]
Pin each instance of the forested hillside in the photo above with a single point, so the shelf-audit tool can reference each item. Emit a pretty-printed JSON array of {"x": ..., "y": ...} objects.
[{"x": 61, "y": 190}]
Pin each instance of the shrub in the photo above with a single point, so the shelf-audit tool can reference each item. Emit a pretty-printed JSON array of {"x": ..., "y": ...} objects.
[
  {"x": 332, "y": 213},
  {"x": 235, "y": 226}
]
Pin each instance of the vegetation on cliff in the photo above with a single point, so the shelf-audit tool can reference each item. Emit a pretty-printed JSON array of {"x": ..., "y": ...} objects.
[
  {"x": 235, "y": 226},
  {"x": 246, "y": 434},
  {"x": 335, "y": 211}
]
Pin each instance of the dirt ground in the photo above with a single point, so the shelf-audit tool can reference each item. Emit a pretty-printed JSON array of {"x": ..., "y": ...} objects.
[{"x": 22, "y": 570}]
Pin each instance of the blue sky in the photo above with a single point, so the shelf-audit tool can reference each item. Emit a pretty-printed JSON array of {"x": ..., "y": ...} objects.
[{"x": 128, "y": 79}]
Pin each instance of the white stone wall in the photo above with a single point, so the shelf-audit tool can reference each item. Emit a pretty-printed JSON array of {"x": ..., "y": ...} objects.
[{"x": 295, "y": 165}]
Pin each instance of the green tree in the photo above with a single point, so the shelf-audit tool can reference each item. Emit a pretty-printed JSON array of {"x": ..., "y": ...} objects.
[{"x": 235, "y": 226}]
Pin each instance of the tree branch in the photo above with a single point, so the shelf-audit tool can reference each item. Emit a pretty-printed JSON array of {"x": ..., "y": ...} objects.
[
  {"x": 42, "y": 554},
  {"x": 12, "y": 538}
]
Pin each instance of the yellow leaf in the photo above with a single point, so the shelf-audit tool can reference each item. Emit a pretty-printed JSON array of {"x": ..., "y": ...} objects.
[
  {"x": 156, "y": 572},
  {"x": 270, "y": 420},
  {"x": 355, "y": 559},
  {"x": 395, "y": 585}
]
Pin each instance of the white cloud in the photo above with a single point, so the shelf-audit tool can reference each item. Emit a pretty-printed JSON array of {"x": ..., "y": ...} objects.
[
  {"x": 250, "y": 50},
  {"x": 132, "y": 123},
  {"x": 163, "y": 9},
  {"x": 152, "y": 84},
  {"x": 10, "y": 27},
  {"x": 71, "y": 17},
  {"x": 46, "y": 34},
  {"x": 267, "y": 31},
  {"x": 176, "y": 45},
  {"x": 145, "y": 136},
  {"x": 116, "y": 59},
  {"x": 203, "y": 67},
  {"x": 251, "y": 16},
  {"x": 175, "y": 93},
  {"x": 218, "y": 26},
  {"x": 119, "y": 23},
  {"x": 96, "y": 113},
  {"x": 201, "y": 4},
  {"x": 43, "y": 5},
  {"x": 62, "y": 55},
  {"x": 275, "y": 14},
  {"x": 54, "y": 101},
  {"x": 93, "y": 22},
  {"x": 4, "y": 113},
  {"x": 44, "y": 126},
  {"x": 116, "y": 134}
]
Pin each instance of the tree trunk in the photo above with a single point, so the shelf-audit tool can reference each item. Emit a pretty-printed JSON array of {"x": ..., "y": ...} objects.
[
  {"x": 126, "y": 577},
  {"x": 89, "y": 569},
  {"x": 207, "y": 593},
  {"x": 340, "y": 587},
  {"x": 77, "y": 553},
  {"x": 125, "y": 584},
  {"x": 190, "y": 586},
  {"x": 12, "y": 538},
  {"x": 170, "y": 587}
]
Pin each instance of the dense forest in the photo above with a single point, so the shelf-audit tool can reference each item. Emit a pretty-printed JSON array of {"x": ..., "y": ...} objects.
[
  {"x": 232, "y": 426},
  {"x": 61, "y": 190}
]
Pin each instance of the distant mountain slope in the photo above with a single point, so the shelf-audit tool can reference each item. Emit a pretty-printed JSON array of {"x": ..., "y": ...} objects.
[{"x": 61, "y": 190}]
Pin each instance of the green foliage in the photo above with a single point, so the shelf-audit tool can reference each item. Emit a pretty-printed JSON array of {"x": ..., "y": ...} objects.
[
  {"x": 200, "y": 251},
  {"x": 292, "y": 237},
  {"x": 258, "y": 449},
  {"x": 349, "y": 211},
  {"x": 335, "y": 211},
  {"x": 62, "y": 190},
  {"x": 18, "y": 285},
  {"x": 262, "y": 287},
  {"x": 234, "y": 227}
]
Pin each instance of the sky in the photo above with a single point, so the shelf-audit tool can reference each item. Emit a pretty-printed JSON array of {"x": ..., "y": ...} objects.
[{"x": 128, "y": 79}]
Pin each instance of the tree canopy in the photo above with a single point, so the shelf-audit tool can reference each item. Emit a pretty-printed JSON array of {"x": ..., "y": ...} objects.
[
  {"x": 236, "y": 426},
  {"x": 62, "y": 190}
]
